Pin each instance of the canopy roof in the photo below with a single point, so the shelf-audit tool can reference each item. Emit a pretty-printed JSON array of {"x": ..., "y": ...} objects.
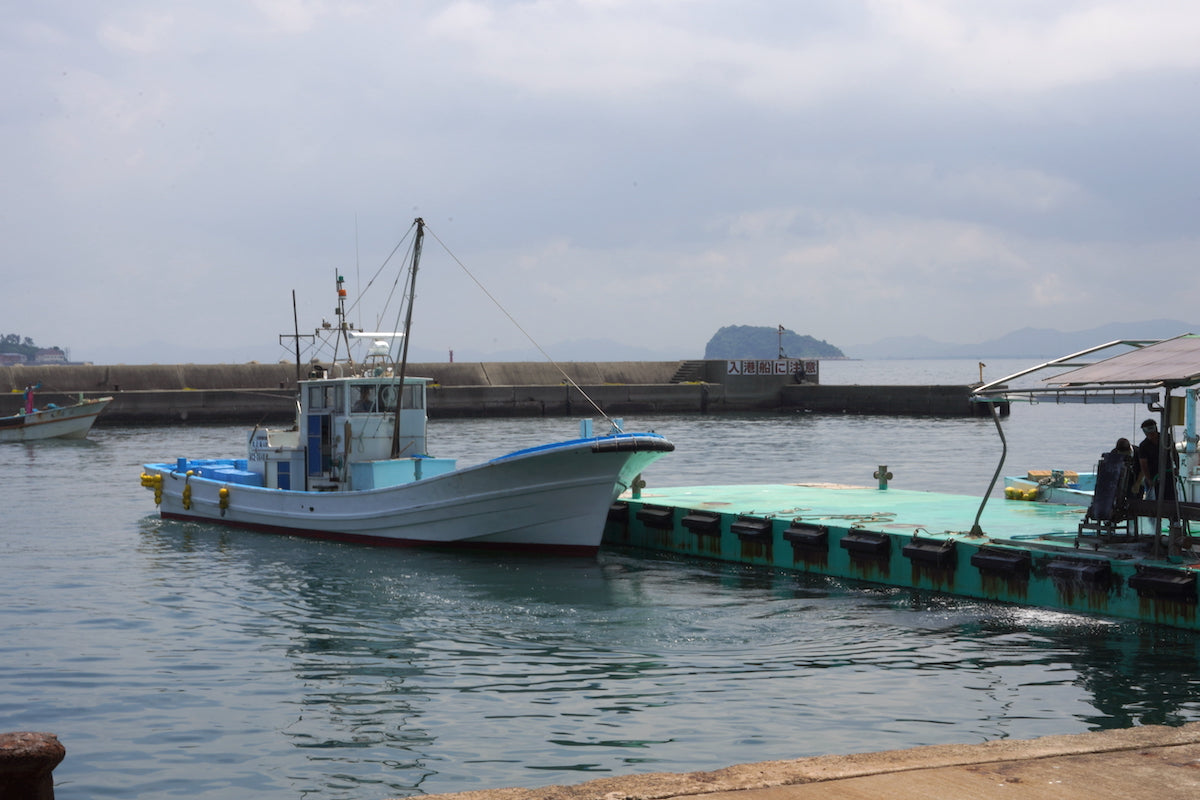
[{"x": 1139, "y": 367}]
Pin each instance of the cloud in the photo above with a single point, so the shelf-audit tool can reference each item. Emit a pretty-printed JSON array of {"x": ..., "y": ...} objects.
[
  {"x": 1037, "y": 47},
  {"x": 641, "y": 171}
]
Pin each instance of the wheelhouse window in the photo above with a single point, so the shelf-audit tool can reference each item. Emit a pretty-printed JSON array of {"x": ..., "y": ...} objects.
[
  {"x": 363, "y": 398},
  {"x": 323, "y": 397},
  {"x": 413, "y": 397}
]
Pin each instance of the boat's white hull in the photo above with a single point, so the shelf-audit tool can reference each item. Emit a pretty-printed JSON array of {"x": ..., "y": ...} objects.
[
  {"x": 1025, "y": 489},
  {"x": 553, "y": 499},
  {"x": 68, "y": 422}
]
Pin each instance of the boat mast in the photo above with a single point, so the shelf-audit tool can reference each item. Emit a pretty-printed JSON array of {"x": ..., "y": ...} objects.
[
  {"x": 344, "y": 327},
  {"x": 412, "y": 296},
  {"x": 296, "y": 334}
]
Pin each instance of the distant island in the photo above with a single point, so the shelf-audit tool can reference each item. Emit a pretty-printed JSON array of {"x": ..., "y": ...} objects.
[
  {"x": 750, "y": 341},
  {"x": 767, "y": 342},
  {"x": 14, "y": 350}
]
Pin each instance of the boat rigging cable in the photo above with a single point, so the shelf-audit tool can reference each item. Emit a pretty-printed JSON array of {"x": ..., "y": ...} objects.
[
  {"x": 524, "y": 332},
  {"x": 408, "y": 291},
  {"x": 343, "y": 331}
]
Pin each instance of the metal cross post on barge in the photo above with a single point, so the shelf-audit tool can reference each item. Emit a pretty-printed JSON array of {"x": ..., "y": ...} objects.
[{"x": 1117, "y": 555}]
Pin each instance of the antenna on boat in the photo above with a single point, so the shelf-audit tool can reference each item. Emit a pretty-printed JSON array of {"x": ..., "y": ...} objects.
[
  {"x": 296, "y": 332},
  {"x": 357, "y": 268},
  {"x": 296, "y": 336},
  {"x": 412, "y": 296}
]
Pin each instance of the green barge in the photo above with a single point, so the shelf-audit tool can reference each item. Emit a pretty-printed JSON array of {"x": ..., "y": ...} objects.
[
  {"x": 1129, "y": 553},
  {"x": 1031, "y": 553}
]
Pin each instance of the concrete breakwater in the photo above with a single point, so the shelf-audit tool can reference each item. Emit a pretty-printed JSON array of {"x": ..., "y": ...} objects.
[{"x": 265, "y": 393}]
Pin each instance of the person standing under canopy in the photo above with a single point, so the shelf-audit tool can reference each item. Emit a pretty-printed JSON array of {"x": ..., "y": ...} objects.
[{"x": 1149, "y": 459}]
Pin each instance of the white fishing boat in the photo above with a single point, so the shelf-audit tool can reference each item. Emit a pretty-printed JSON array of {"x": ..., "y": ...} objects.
[
  {"x": 356, "y": 467},
  {"x": 52, "y": 422}
]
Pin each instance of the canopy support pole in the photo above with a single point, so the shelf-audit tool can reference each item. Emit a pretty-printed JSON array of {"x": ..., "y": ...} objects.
[{"x": 975, "y": 529}]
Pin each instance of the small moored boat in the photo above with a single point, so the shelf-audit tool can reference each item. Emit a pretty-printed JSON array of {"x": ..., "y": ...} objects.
[
  {"x": 1062, "y": 487},
  {"x": 356, "y": 467},
  {"x": 51, "y": 422}
]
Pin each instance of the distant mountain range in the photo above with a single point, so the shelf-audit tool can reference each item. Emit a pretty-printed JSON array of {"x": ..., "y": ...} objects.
[{"x": 1024, "y": 343}]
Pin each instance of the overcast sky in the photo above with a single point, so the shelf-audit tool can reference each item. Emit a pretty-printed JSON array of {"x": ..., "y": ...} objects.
[{"x": 641, "y": 171}]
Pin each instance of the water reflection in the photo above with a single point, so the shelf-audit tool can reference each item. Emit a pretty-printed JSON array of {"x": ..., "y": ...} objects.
[
  {"x": 1147, "y": 676},
  {"x": 432, "y": 671},
  {"x": 192, "y": 659}
]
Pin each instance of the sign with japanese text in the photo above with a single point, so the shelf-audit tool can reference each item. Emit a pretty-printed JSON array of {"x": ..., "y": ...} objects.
[{"x": 779, "y": 366}]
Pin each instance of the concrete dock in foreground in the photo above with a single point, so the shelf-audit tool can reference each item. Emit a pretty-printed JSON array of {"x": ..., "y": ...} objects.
[{"x": 1144, "y": 762}]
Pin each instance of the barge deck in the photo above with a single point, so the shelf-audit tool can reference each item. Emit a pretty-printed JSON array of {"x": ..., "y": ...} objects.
[{"x": 1020, "y": 552}]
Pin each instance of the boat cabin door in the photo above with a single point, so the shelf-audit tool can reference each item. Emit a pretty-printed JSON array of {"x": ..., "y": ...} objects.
[{"x": 323, "y": 402}]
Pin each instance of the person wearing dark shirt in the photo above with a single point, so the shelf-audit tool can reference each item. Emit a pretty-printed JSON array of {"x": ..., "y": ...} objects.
[{"x": 1148, "y": 459}]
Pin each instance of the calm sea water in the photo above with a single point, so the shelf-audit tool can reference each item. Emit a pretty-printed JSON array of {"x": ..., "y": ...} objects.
[{"x": 187, "y": 660}]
